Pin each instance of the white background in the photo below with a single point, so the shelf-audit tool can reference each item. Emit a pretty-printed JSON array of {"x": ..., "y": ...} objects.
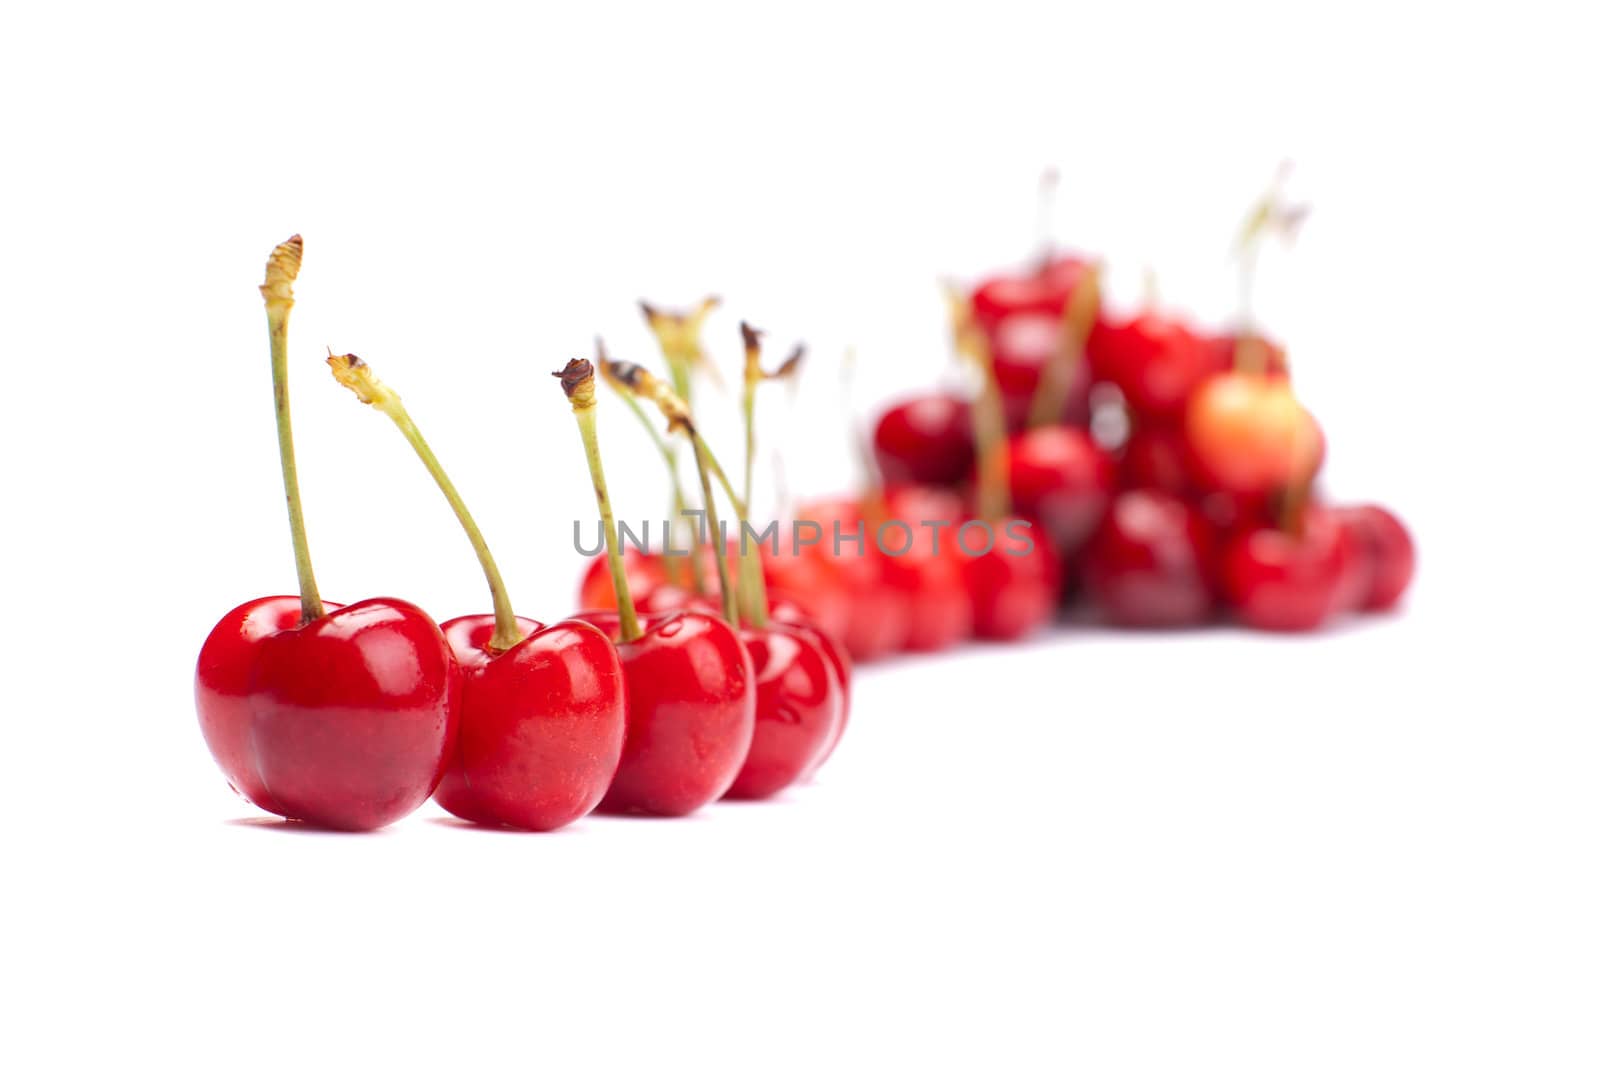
[{"x": 1377, "y": 846}]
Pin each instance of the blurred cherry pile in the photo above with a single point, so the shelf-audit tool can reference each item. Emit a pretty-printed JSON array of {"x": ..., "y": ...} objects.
[{"x": 1167, "y": 476}]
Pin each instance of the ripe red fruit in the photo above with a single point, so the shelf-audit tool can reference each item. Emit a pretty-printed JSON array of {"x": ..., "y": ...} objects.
[
  {"x": 1152, "y": 561},
  {"x": 799, "y": 703},
  {"x": 645, "y": 572},
  {"x": 344, "y": 721},
  {"x": 1021, "y": 347},
  {"x": 1155, "y": 360},
  {"x": 1248, "y": 434},
  {"x": 921, "y": 560},
  {"x": 926, "y": 440},
  {"x": 1013, "y": 577},
  {"x": 1043, "y": 291},
  {"x": 1155, "y": 457},
  {"x": 791, "y": 613},
  {"x": 691, "y": 711},
  {"x": 1061, "y": 478},
  {"x": 1277, "y": 580},
  {"x": 879, "y": 620},
  {"x": 1385, "y": 557},
  {"x": 541, "y": 724},
  {"x": 344, "y": 717}
]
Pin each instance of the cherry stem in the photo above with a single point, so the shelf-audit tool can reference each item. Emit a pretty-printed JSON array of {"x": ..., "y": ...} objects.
[
  {"x": 719, "y": 547},
  {"x": 647, "y": 386},
  {"x": 577, "y": 381},
  {"x": 1077, "y": 319},
  {"x": 278, "y": 291},
  {"x": 353, "y": 373},
  {"x": 752, "y": 573},
  {"x": 669, "y": 456},
  {"x": 988, "y": 411}
]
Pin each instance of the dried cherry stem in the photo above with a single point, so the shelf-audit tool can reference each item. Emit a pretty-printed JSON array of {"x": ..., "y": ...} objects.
[
  {"x": 669, "y": 456},
  {"x": 353, "y": 373},
  {"x": 753, "y": 377},
  {"x": 678, "y": 334},
  {"x": 1292, "y": 507},
  {"x": 277, "y": 290},
  {"x": 1270, "y": 215},
  {"x": 988, "y": 411},
  {"x": 1077, "y": 319},
  {"x": 577, "y": 381},
  {"x": 647, "y": 386}
]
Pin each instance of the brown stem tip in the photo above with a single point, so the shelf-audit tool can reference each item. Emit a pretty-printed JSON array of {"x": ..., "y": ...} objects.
[
  {"x": 352, "y": 372},
  {"x": 577, "y": 381}
]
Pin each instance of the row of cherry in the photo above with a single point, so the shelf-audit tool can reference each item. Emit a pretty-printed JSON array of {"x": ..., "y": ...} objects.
[
  {"x": 350, "y": 717},
  {"x": 1204, "y": 507}
]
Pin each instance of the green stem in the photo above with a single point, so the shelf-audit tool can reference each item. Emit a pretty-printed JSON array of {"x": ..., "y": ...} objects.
[
  {"x": 280, "y": 300},
  {"x": 506, "y": 631},
  {"x": 704, "y": 463},
  {"x": 629, "y": 617},
  {"x": 669, "y": 456},
  {"x": 752, "y": 573}
]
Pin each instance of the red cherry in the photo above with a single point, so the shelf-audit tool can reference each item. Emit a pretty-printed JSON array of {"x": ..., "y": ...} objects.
[
  {"x": 798, "y": 707},
  {"x": 541, "y": 724},
  {"x": 803, "y": 575},
  {"x": 1013, "y": 577},
  {"x": 1044, "y": 291},
  {"x": 1155, "y": 457},
  {"x": 1385, "y": 557},
  {"x": 926, "y": 440},
  {"x": 879, "y": 620},
  {"x": 1155, "y": 360},
  {"x": 691, "y": 711},
  {"x": 790, "y": 612},
  {"x": 645, "y": 572},
  {"x": 344, "y": 721},
  {"x": 1021, "y": 346},
  {"x": 341, "y": 718},
  {"x": 1060, "y": 477},
  {"x": 1279, "y": 581},
  {"x": 921, "y": 560},
  {"x": 1249, "y": 434},
  {"x": 1151, "y": 562}
]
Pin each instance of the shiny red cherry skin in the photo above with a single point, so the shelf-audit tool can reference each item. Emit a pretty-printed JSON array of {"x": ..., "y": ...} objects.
[
  {"x": 1152, "y": 562},
  {"x": 803, "y": 574},
  {"x": 691, "y": 711},
  {"x": 917, "y": 543},
  {"x": 1155, "y": 360},
  {"x": 1043, "y": 291},
  {"x": 1155, "y": 456},
  {"x": 879, "y": 617},
  {"x": 1013, "y": 577},
  {"x": 1224, "y": 349},
  {"x": 926, "y": 440},
  {"x": 1061, "y": 478},
  {"x": 798, "y": 705},
  {"x": 1021, "y": 347},
  {"x": 645, "y": 571},
  {"x": 1275, "y": 580},
  {"x": 790, "y": 612},
  {"x": 541, "y": 724},
  {"x": 345, "y": 722},
  {"x": 1385, "y": 557}
]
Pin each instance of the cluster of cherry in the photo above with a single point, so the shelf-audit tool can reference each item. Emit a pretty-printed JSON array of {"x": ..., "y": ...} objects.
[
  {"x": 350, "y": 717},
  {"x": 1199, "y": 504}
]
